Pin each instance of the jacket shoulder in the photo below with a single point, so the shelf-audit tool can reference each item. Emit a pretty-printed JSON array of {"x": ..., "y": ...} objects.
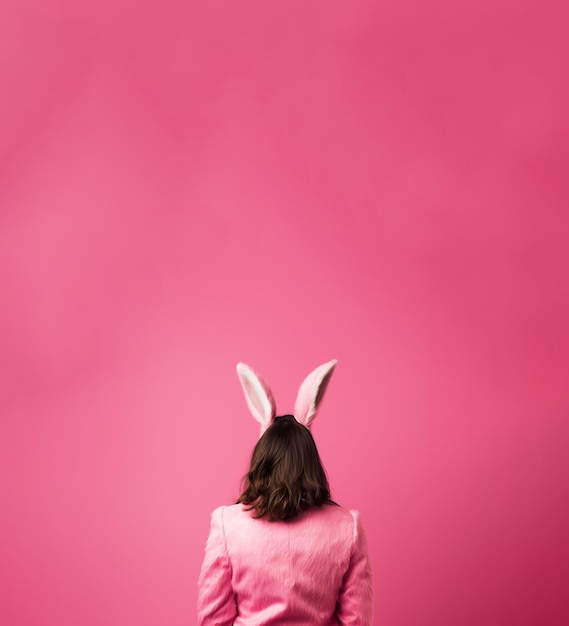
[{"x": 230, "y": 512}]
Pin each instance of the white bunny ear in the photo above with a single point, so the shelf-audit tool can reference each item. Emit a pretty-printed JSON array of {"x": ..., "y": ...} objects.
[
  {"x": 258, "y": 395},
  {"x": 311, "y": 393}
]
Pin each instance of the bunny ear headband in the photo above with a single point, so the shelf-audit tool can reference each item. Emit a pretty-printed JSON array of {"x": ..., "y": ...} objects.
[{"x": 262, "y": 404}]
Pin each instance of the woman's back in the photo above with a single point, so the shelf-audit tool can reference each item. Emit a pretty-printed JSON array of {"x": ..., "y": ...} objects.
[
  {"x": 311, "y": 570},
  {"x": 285, "y": 554}
]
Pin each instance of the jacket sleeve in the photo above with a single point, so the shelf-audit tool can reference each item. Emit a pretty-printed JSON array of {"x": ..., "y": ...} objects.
[
  {"x": 216, "y": 602},
  {"x": 355, "y": 602}
]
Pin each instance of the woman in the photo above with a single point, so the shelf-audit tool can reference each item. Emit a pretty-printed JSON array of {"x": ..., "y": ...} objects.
[{"x": 285, "y": 553}]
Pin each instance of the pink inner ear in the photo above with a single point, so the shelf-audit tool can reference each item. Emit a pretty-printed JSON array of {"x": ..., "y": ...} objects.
[
  {"x": 254, "y": 400},
  {"x": 311, "y": 393},
  {"x": 258, "y": 395}
]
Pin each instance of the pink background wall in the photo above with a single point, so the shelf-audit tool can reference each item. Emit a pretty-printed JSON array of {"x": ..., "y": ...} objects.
[{"x": 284, "y": 183}]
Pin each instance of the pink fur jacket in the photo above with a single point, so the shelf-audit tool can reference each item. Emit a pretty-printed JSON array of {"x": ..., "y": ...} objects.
[{"x": 312, "y": 570}]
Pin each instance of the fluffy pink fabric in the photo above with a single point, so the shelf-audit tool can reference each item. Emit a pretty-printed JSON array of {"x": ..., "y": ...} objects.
[{"x": 313, "y": 570}]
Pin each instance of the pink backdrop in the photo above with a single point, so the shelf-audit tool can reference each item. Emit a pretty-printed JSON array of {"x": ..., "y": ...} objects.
[{"x": 183, "y": 187}]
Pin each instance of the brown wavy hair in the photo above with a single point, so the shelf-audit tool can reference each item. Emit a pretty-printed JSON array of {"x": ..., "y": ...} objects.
[{"x": 286, "y": 475}]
